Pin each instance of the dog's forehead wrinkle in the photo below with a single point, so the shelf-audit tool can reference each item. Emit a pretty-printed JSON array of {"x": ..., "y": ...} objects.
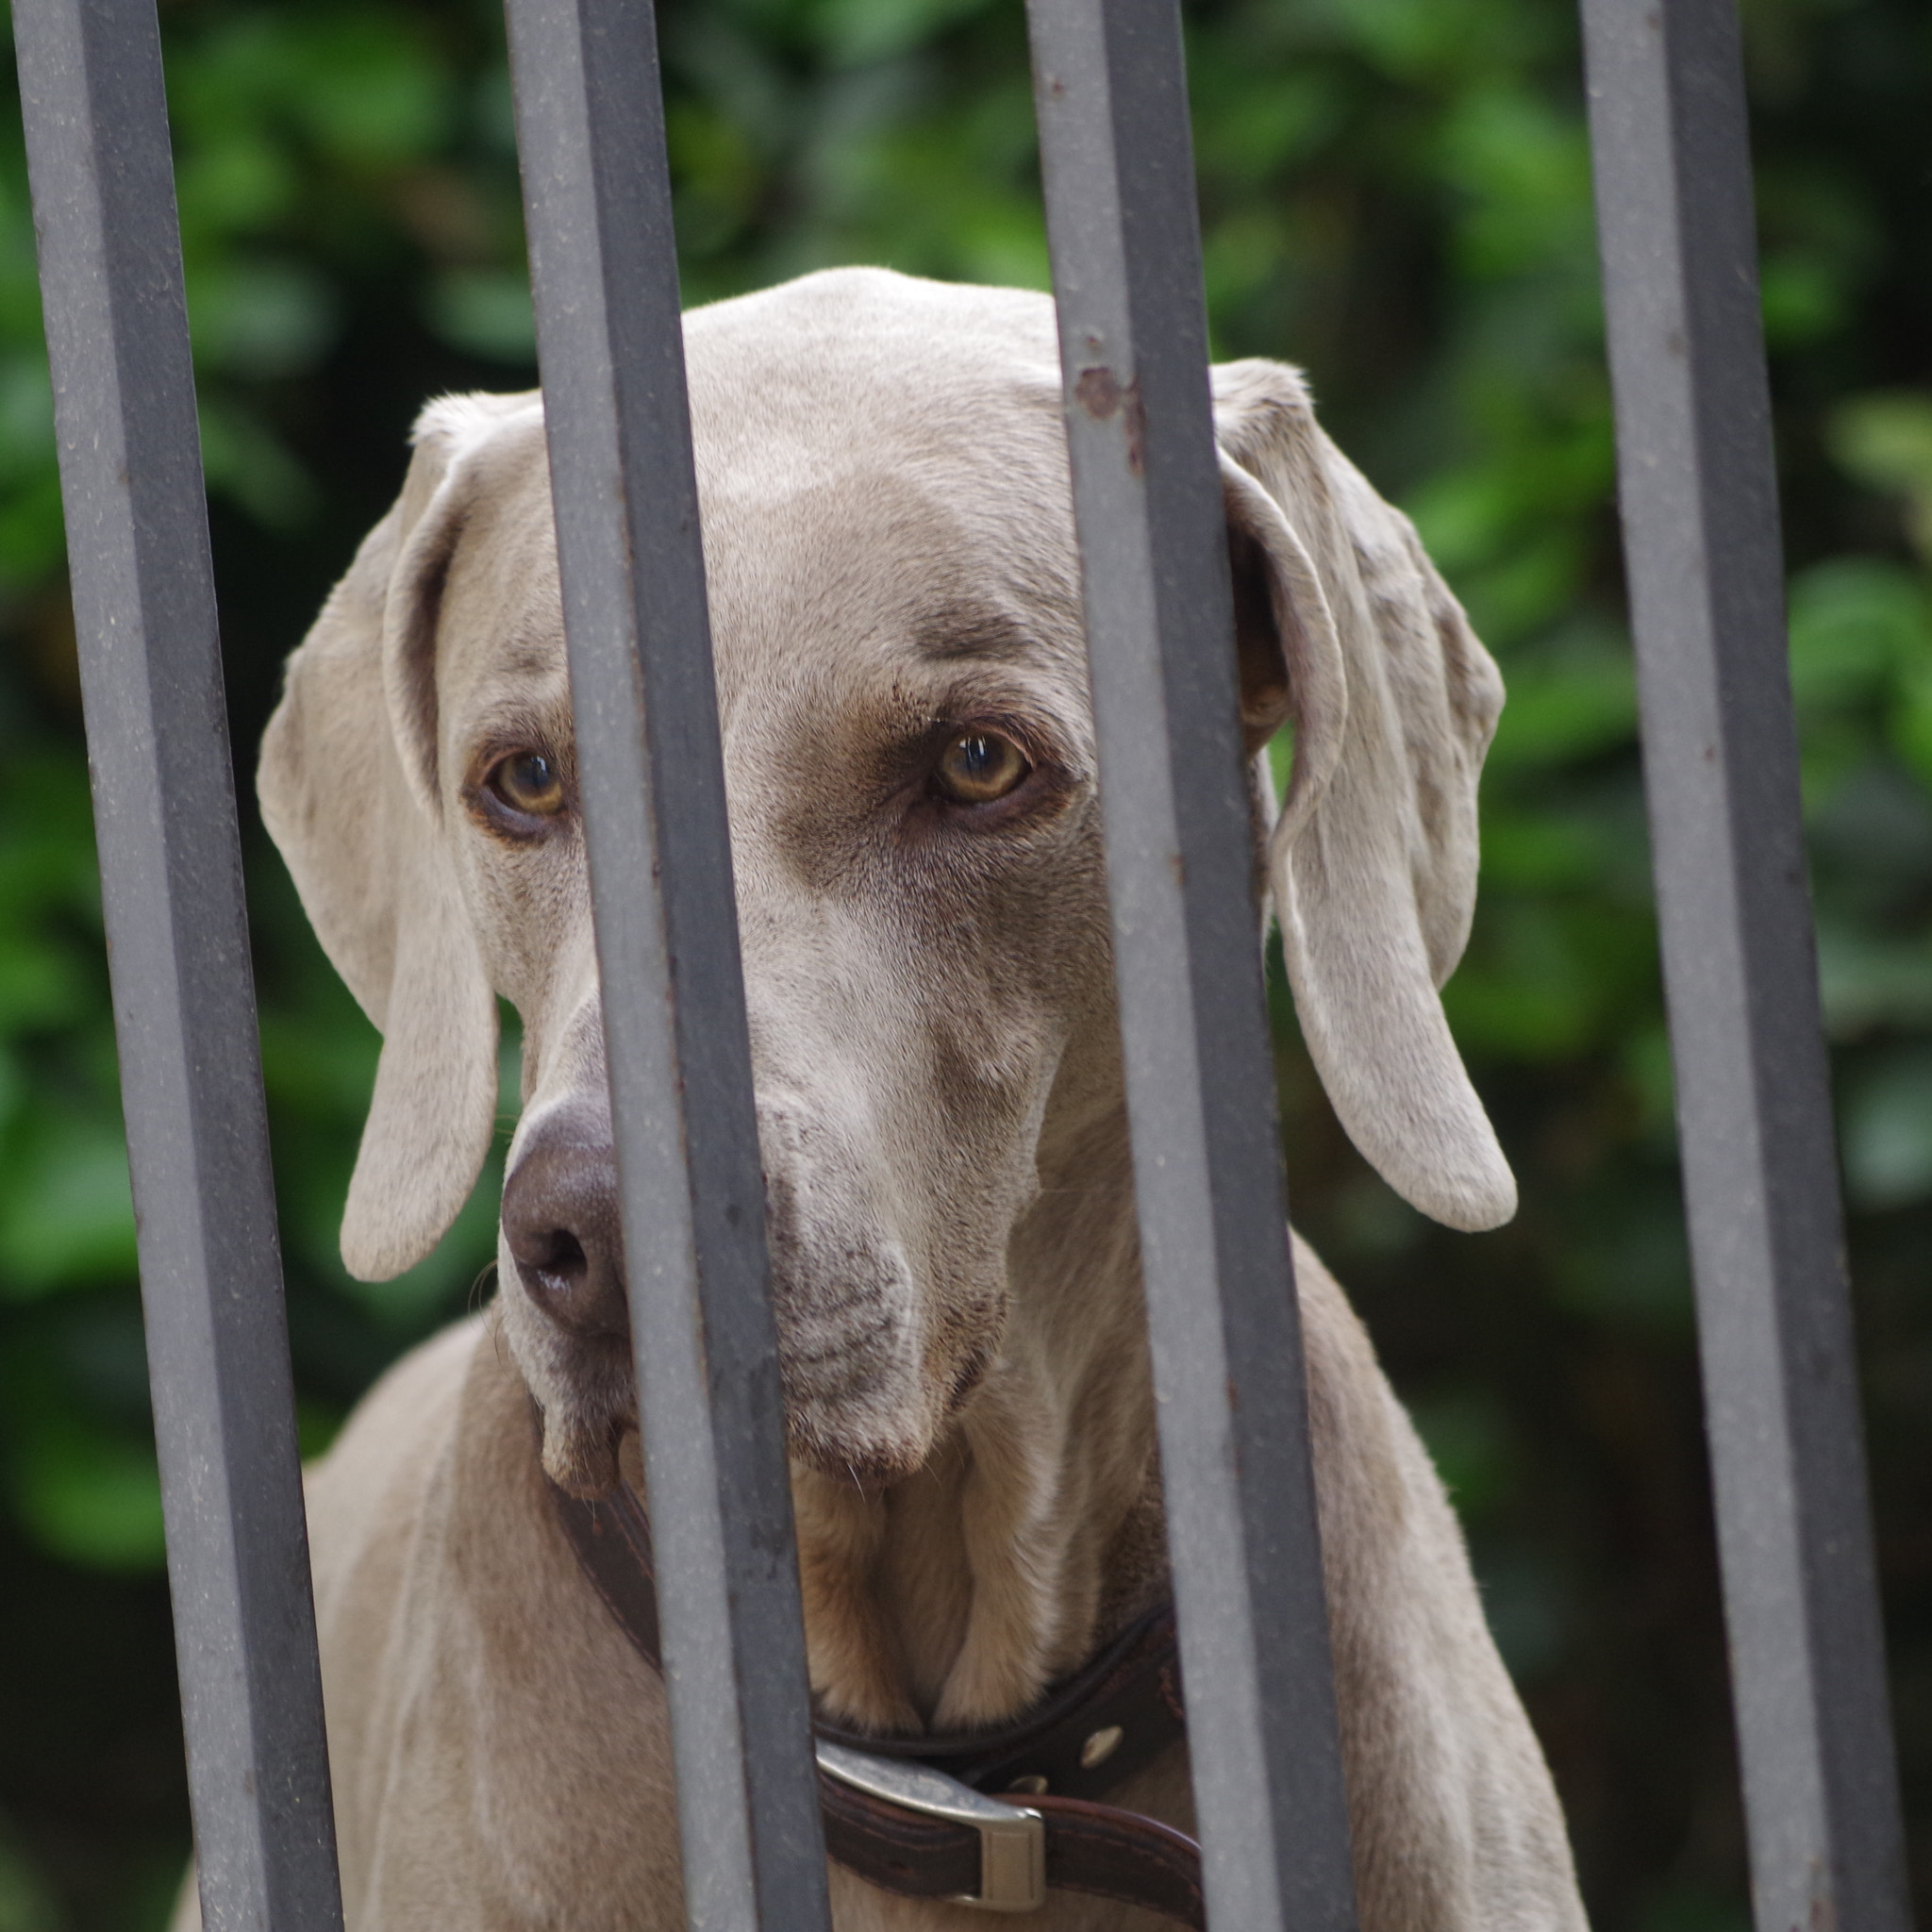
[
  {"x": 501, "y": 629},
  {"x": 507, "y": 710},
  {"x": 976, "y": 630},
  {"x": 529, "y": 649},
  {"x": 879, "y": 556},
  {"x": 868, "y": 689}
]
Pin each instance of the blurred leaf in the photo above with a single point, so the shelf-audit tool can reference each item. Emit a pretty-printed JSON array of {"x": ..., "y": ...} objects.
[
  {"x": 1631, "y": 1272},
  {"x": 26, "y": 1900},
  {"x": 66, "y": 1216},
  {"x": 26, "y": 416},
  {"x": 1523, "y": 1602},
  {"x": 236, "y": 181},
  {"x": 1544, "y": 979},
  {"x": 1884, "y": 441},
  {"x": 1524, "y": 163},
  {"x": 1872, "y": 843},
  {"x": 91, "y": 1498},
  {"x": 245, "y": 460},
  {"x": 1856, "y": 622},
  {"x": 486, "y": 312},
  {"x": 38, "y": 987},
  {"x": 1646, "y": 1060},
  {"x": 1802, "y": 295},
  {"x": 1467, "y": 1435},
  {"x": 316, "y": 1427},
  {"x": 1911, "y": 719},
  {"x": 854, "y": 32},
  {"x": 1682, "y": 1908},
  {"x": 261, "y": 318},
  {"x": 367, "y": 87},
  {"x": 1887, "y": 1132},
  {"x": 1869, "y": 981},
  {"x": 322, "y": 1064},
  {"x": 1562, "y": 712}
]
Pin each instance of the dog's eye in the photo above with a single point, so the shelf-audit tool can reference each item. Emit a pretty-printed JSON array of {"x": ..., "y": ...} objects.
[
  {"x": 979, "y": 766},
  {"x": 527, "y": 782}
]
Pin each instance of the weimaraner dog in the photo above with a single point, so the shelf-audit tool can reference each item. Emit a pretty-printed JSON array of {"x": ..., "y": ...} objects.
[{"x": 909, "y": 753}]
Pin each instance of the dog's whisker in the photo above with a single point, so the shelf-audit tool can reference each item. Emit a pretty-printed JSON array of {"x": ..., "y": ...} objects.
[{"x": 481, "y": 1289}]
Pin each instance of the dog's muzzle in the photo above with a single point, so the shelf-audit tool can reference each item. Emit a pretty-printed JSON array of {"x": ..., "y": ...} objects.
[{"x": 861, "y": 1400}]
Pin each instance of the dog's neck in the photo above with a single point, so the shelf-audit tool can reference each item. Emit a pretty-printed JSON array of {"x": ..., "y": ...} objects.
[{"x": 955, "y": 1598}]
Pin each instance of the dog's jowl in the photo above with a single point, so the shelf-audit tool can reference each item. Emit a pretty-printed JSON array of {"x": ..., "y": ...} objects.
[{"x": 910, "y": 756}]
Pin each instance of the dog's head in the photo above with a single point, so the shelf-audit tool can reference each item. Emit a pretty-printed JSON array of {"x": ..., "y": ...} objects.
[{"x": 910, "y": 757}]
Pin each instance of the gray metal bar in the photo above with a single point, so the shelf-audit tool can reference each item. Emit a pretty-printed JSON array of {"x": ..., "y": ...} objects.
[
  {"x": 178, "y": 937},
  {"x": 1699, "y": 495},
  {"x": 589, "y": 119},
  {"x": 1111, "y": 98}
]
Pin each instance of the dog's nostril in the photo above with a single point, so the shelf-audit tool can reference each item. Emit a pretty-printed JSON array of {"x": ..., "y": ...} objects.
[
  {"x": 556, "y": 1251},
  {"x": 578, "y": 1290}
]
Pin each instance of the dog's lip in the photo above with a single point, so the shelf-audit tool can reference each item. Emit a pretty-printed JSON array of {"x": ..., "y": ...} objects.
[
  {"x": 869, "y": 1472},
  {"x": 580, "y": 1453},
  {"x": 872, "y": 1473},
  {"x": 826, "y": 1425}
]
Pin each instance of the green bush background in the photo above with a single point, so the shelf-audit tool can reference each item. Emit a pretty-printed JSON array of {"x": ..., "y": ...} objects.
[{"x": 1395, "y": 193}]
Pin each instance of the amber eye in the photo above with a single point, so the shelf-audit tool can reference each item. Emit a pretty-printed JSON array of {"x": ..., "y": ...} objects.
[
  {"x": 979, "y": 766},
  {"x": 527, "y": 782}
]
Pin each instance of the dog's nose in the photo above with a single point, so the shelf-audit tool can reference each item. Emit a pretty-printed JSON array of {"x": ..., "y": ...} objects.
[{"x": 560, "y": 1223}]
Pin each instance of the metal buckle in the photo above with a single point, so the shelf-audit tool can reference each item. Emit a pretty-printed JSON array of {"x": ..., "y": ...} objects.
[{"x": 1012, "y": 1837}]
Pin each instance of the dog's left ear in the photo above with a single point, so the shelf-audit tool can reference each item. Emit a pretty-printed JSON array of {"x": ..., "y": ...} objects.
[
  {"x": 350, "y": 793},
  {"x": 1344, "y": 626}
]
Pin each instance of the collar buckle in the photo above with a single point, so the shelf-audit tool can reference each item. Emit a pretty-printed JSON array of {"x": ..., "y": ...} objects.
[{"x": 1012, "y": 1837}]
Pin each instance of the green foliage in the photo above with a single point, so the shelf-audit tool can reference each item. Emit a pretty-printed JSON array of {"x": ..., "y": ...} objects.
[{"x": 1395, "y": 193}]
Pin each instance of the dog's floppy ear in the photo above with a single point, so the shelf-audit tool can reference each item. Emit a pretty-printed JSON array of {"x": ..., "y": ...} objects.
[
  {"x": 1344, "y": 625},
  {"x": 349, "y": 792}
]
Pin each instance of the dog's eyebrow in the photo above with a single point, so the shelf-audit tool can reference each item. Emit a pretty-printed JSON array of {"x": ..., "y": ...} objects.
[
  {"x": 972, "y": 630},
  {"x": 529, "y": 647}
]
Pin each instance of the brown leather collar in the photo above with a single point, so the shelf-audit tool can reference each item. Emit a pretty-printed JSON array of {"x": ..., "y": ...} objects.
[{"x": 988, "y": 1818}]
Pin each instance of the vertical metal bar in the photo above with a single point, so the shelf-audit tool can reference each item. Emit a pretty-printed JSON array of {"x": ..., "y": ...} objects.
[
  {"x": 589, "y": 119},
  {"x": 1701, "y": 533},
  {"x": 178, "y": 937},
  {"x": 1111, "y": 98}
]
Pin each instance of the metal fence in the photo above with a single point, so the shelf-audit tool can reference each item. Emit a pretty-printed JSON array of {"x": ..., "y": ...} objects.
[{"x": 1701, "y": 528}]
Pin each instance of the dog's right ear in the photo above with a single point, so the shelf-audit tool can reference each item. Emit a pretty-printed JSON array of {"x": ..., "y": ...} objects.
[{"x": 350, "y": 793}]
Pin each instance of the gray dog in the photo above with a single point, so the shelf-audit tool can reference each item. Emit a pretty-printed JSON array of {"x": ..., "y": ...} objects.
[{"x": 921, "y": 903}]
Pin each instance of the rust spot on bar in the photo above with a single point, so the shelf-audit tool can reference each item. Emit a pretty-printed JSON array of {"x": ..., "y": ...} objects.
[
  {"x": 1824, "y": 1913},
  {"x": 1098, "y": 391},
  {"x": 1102, "y": 394},
  {"x": 1136, "y": 428}
]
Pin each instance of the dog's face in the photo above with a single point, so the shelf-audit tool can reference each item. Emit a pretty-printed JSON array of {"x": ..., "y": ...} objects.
[{"x": 911, "y": 766}]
